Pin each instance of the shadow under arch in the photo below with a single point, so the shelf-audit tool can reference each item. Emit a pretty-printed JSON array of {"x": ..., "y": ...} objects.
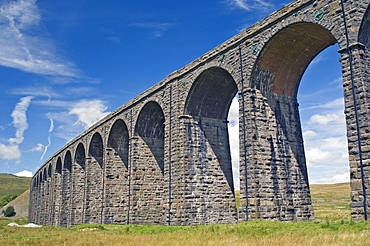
[
  {"x": 119, "y": 140},
  {"x": 275, "y": 80},
  {"x": 96, "y": 148},
  {"x": 66, "y": 189},
  {"x": 208, "y": 103},
  {"x": 150, "y": 127},
  {"x": 49, "y": 170},
  {"x": 58, "y": 166},
  {"x": 80, "y": 156},
  {"x": 364, "y": 37},
  {"x": 79, "y": 181},
  {"x": 286, "y": 56}
]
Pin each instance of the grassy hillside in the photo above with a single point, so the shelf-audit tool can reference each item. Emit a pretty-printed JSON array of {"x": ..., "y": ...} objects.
[
  {"x": 10, "y": 184},
  {"x": 331, "y": 201},
  {"x": 20, "y": 205}
]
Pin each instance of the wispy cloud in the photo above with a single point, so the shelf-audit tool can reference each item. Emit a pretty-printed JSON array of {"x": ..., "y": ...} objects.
[
  {"x": 157, "y": 29},
  {"x": 36, "y": 91},
  {"x": 51, "y": 129},
  {"x": 24, "y": 47},
  {"x": 20, "y": 119},
  {"x": 250, "y": 4}
]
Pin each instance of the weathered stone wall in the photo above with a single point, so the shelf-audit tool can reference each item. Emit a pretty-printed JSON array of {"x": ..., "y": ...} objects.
[{"x": 164, "y": 157}]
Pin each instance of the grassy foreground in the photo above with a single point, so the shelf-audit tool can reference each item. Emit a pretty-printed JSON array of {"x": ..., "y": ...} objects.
[
  {"x": 247, "y": 233},
  {"x": 336, "y": 228}
]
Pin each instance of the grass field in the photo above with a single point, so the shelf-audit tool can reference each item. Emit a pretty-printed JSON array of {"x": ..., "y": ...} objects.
[
  {"x": 246, "y": 233},
  {"x": 337, "y": 229},
  {"x": 331, "y": 201},
  {"x": 10, "y": 184}
]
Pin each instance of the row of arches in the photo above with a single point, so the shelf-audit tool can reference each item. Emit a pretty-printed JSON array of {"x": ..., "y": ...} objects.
[
  {"x": 173, "y": 161},
  {"x": 78, "y": 186},
  {"x": 121, "y": 176}
]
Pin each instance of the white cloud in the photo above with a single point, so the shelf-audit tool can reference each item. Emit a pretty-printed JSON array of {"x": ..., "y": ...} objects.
[
  {"x": 89, "y": 112},
  {"x": 10, "y": 152},
  {"x": 20, "y": 119},
  {"x": 337, "y": 178},
  {"x": 24, "y": 173},
  {"x": 233, "y": 128},
  {"x": 39, "y": 147},
  {"x": 325, "y": 119},
  {"x": 309, "y": 134},
  {"x": 22, "y": 45},
  {"x": 316, "y": 155}
]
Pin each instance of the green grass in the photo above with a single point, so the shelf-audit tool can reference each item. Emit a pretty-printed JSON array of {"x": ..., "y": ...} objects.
[
  {"x": 247, "y": 233},
  {"x": 331, "y": 201},
  {"x": 336, "y": 228},
  {"x": 10, "y": 184}
]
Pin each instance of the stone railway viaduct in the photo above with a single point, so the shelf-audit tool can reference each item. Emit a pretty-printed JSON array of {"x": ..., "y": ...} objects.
[{"x": 164, "y": 157}]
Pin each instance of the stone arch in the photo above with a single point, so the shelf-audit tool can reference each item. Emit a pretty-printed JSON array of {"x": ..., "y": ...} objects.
[
  {"x": 79, "y": 185},
  {"x": 66, "y": 189},
  {"x": 147, "y": 173},
  {"x": 95, "y": 180},
  {"x": 357, "y": 117},
  {"x": 117, "y": 166},
  {"x": 275, "y": 122},
  {"x": 211, "y": 94},
  {"x": 363, "y": 36},
  {"x": 150, "y": 127},
  {"x": 80, "y": 156},
  {"x": 57, "y": 191},
  {"x": 58, "y": 166},
  {"x": 49, "y": 170},
  {"x": 96, "y": 148},
  {"x": 364, "y": 43},
  {"x": 119, "y": 140},
  {"x": 207, "y": 147},
  {"x": 48, "y": 195},
  {"x": 286, "y": 56}
]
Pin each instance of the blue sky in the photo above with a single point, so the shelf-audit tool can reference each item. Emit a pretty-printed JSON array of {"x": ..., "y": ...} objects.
[{"x": 65, "y": 64}]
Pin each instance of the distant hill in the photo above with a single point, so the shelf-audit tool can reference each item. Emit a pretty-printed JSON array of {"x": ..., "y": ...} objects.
[
  {"x": 11, "y": 184},
  {"x": 20, "y": 205}
]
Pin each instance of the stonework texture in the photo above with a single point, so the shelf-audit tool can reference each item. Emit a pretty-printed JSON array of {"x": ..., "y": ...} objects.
[{"x": 164, "y": 157}]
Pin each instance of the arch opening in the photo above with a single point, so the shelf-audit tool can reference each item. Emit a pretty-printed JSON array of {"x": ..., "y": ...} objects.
[
  {"x": 211, "y": 94},
  {"x": 68, "y": 162},
  {"x": 150, "y": 127},
  {"x": 280, "y": 68},
  {"x": 209, "y": 102},
  {"x": 49, "y": 171},
  {"x": 321, "y": 101},
  {"x": 58, "y": 166},
  {"x": 207, "y": 145},
  {"x": 365, "y": 29},
  {"x": 286, "y": 56},
  {"x": 79, "y": 181},
  {"x": 119, "y": 140},
  {"x": 80, "y": 157},
  {"x": 96, "y": 148}
]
